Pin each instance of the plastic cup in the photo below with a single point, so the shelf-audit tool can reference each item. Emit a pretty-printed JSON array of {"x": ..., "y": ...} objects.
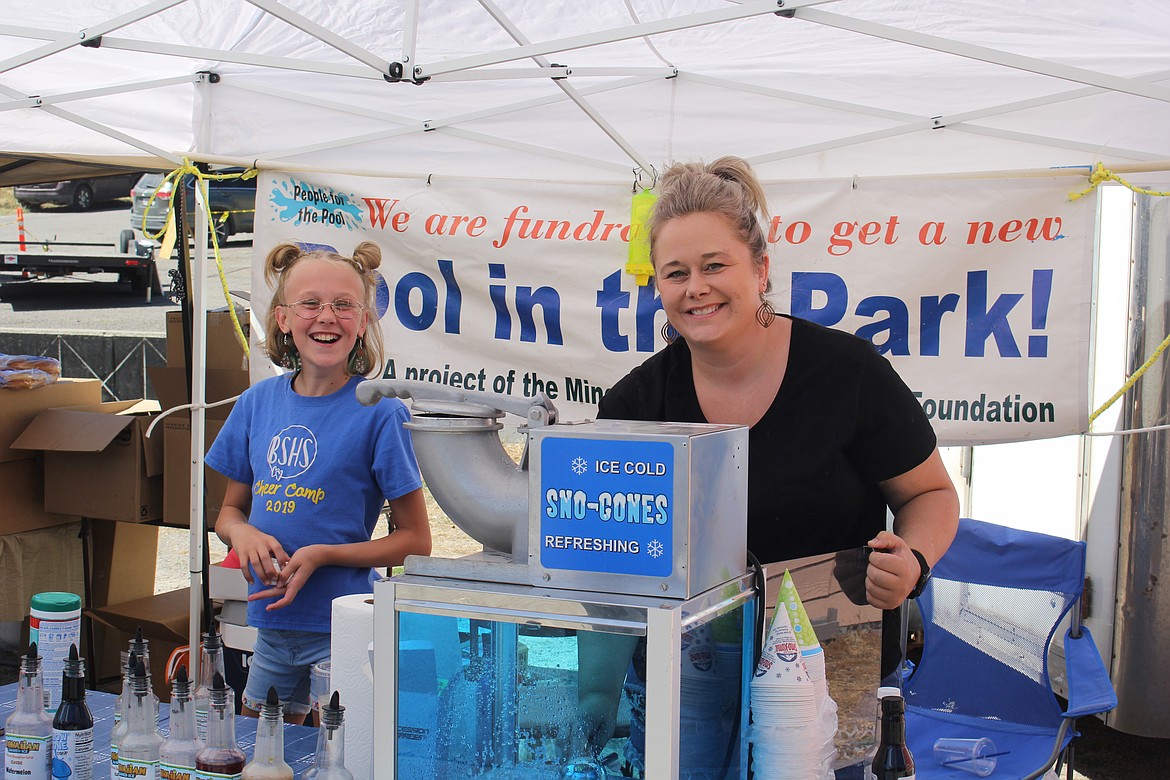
[
  {"x": 976, "y": 756},
  {"x": 319, "y": 690}
]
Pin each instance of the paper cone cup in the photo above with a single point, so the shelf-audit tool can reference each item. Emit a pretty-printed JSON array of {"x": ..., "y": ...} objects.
[
  {"x": 801, "y": 625},
  {"x": 780, "y": 660},
  {"x": 698, "y": 651}
]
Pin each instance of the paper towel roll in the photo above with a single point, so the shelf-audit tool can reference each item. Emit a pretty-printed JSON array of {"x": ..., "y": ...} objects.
[{"x": 353, "y": 679}]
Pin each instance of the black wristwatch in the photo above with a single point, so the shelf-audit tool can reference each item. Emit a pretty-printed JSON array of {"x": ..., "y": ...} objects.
[{"x": 923, "y": 578}]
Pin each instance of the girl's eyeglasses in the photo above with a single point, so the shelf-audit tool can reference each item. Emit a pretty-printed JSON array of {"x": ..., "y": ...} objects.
[{"x": 311, "y": 308}]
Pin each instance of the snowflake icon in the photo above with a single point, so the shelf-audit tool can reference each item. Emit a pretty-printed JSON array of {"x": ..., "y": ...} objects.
[
  {"x": 655, "y": 548},
  {"x": 579, "y": 465}
]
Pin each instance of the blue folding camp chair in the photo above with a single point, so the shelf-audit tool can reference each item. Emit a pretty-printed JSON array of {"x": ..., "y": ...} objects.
[{"x": 990, "y": 612}]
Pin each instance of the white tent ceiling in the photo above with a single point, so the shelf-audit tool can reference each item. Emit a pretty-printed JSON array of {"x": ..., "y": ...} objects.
[{"x": 844, "y": 88}]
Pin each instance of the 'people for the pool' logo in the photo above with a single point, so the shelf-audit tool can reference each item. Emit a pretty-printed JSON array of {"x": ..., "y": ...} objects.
[
  {"x": 302, "y": 203},
  {"x": 291, "y": 452}
]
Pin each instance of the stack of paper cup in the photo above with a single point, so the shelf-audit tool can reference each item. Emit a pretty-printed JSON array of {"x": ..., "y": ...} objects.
[
  {"x": 784, "y": 707},
  {"x": 794, "y": 719}
]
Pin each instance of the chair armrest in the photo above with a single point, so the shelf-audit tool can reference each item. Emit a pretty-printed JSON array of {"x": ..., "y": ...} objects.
[{"x": 1089, "y": 688}]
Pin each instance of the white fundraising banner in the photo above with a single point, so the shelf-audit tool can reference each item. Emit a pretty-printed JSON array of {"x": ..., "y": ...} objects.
[{"x": 978, "y": 291}]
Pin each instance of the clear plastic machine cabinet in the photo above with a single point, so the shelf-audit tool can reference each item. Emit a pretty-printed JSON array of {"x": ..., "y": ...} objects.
[{"x": 489, "y": 681}]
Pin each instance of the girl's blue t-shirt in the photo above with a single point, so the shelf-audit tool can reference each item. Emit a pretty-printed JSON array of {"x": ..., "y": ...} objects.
[{"x": 320, "y": 470}]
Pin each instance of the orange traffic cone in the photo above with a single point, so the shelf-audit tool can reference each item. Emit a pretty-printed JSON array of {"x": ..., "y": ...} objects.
[{"x": 20, "y": 228}]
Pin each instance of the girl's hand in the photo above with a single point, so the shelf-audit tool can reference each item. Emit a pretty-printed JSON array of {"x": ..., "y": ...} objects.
[
  {"x": 892, "y": 572},
  {"x": 260, "y": 554},
  {"x": 293, "y": 576}
]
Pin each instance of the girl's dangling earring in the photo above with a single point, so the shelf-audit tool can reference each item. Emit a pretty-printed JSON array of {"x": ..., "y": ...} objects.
[
  {"x": 358, "y": 363},
  {"x": 290, "y": 356},
  {"x": 669, "y": 334},
  {"x": 765, "y": 314}
]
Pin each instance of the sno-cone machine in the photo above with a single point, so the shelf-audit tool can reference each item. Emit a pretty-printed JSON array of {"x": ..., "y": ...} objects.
[{"x": 606, "y": 537}]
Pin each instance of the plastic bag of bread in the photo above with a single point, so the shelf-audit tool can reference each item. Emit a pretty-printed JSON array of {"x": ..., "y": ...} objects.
[{"x": 24, "y": 372}]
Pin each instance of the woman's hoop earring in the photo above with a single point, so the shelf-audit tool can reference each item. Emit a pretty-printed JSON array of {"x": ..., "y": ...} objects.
[
  {"x": 358, "y": 363},
  {"x": 290, "y": 357},
  {"x": 669, "y": 334},
  {"x": 765, "y": 314}
]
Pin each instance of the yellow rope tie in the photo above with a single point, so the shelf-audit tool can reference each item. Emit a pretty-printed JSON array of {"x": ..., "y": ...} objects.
[
  {"x": 1132, "y": 379},
  {"x": 175, "y": 176},
  {"x": 1102, "y": 174}
]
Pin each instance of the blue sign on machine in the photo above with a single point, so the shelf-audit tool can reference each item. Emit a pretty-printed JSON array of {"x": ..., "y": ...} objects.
[{"x": 607, "y": 506}]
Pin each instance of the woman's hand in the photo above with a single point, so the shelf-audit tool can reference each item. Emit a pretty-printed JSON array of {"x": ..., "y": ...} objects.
[
  {"x": 926, "y": 516},
  {"x": 892, "y": 573},
  {"x": 293, "y": 576},
  {"x": 261, "y": 555}
]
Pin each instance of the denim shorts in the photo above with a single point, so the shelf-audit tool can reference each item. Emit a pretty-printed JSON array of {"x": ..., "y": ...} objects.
[{"x": 282, "y": 659}]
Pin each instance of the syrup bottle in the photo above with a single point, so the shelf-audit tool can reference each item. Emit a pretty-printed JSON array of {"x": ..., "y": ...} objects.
[
  {"x": 121, "y": 705},
  {"x": 138, "y": 749},
  {"x": 329, "y": 761},
  {"x": 221, "y": 757},
  {"x": 210, "y": 662},
  {"x": 176, "y": 757},
  {"x": 141, "y": 647},
  {"x": 893, "y": 760},
  {"x": 28, "y": 732},
  {"x": 73, "y": 723},
  {"x": 268, "y": 758}
]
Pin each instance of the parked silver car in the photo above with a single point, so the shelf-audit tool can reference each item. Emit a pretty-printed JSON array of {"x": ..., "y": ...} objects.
[
  {"x": 80, "y": 194},
  {"x": 235, "y": 198}
]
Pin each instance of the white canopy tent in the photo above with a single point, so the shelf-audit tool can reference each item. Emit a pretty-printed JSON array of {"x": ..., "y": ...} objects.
[
  {"x": 519, "y": 90},
  {"x": 483, "y": 91}
]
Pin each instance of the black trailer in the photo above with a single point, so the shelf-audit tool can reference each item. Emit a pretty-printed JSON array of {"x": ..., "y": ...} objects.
[{"x": 134, "y": 264}]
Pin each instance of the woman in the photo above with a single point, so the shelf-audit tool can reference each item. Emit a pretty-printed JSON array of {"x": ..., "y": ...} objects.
[{"x": 835, "y": 436}]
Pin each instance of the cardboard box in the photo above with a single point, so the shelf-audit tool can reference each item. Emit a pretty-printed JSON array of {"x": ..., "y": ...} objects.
[
  {"x": 170, "y": 387},
  {"x": 22, "y": 486},
  {"x": 19, "y": 407},
  {"x": 177, "y": 474},
  {"x": 103, "y": 656},
  {"x": 98, "y": 461},
  {"x": 123, "y": 561},
  {"x": 163, "y": 619},
  {"x": 223, "y": 348},
  {"x": 31, "y": 562}
]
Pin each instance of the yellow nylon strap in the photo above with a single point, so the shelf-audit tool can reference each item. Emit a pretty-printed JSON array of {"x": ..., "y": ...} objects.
[
  {"x": 1134, "y": 377},
  {"x": 1102, "y": 174},
  {"x": 175, "y": 176}
]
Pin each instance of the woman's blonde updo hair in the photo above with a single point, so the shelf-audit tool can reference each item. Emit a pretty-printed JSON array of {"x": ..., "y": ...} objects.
[
  {"x": 282, "y": 258},
  {"x": 727, "y": 186}
]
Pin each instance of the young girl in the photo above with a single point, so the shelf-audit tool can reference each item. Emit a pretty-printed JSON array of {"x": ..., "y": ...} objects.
[{"x": 310, "y": 467}]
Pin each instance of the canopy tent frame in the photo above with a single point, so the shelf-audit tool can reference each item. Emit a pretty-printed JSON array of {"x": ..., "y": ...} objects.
[{"x": 478, "y": 67}]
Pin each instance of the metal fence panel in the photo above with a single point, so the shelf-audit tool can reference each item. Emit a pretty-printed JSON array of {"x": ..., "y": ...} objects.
[{"x": 120, "y": 362}]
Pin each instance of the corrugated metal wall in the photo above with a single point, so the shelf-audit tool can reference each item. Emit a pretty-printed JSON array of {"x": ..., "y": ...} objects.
[{"x": 1141, "y": 641}]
